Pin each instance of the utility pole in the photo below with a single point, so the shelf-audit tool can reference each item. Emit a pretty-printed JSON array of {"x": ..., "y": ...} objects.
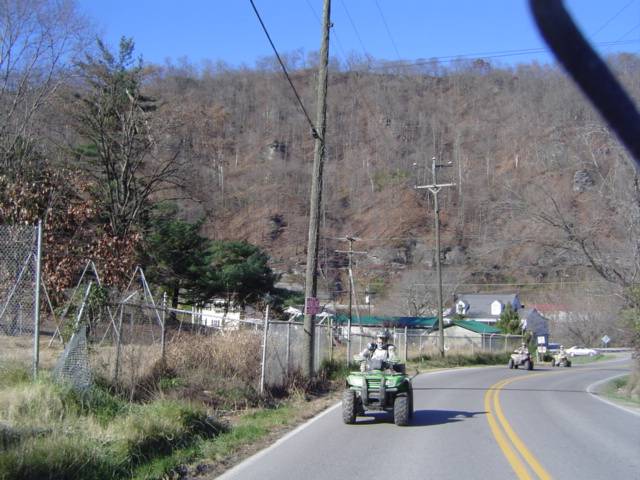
[
  {"x": 434, "y": 188},
  {"x": 311, "y": 278},
  {"x": 350, "y": 252}
]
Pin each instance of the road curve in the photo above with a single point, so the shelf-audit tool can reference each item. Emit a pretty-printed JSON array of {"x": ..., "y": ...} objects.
[{"x": 471, "y": 423}]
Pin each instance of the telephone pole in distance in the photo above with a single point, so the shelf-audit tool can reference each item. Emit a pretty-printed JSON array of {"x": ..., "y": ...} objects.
[
  {"x": 435, "y": 188},
  {"x": 352, "y": 287}
]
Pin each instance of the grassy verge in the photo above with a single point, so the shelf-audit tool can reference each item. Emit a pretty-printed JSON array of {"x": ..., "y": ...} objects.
[
  {"x": 586, "y": 359},
  {"x": 617, "y": 390},
  {"x": 50, "y": 431},
  {"x": 457, "y": 360}
]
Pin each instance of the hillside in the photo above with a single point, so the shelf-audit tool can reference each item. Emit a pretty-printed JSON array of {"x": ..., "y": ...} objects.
[{"x": 524, "y": 146}]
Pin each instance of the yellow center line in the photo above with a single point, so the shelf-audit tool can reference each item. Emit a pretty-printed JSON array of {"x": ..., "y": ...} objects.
[
  {"x": 515, "y": 462},
  {"x": 494, "y": 410},
  {"x": 517, "y": 442}
]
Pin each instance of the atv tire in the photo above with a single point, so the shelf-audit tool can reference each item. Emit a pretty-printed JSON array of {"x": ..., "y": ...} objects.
[
  {"x": 553, "y": 363},
  {"x": 401, "y": 407},
  {"x": 510, "y": 364},
  {"x": 528, "y": 364},
  {"x": 349, "y": 407}
]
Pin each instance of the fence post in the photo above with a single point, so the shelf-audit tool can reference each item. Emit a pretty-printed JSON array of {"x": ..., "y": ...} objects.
[
  {"x": 331, "y": 339},
  {"x": 118, "y": 344},
  {"x": 406, "y": 344},
  {"x": 264, "y": 349},
  {"x": 288, "y": 348},
  {"x": 164, "y": 328},
  {"x": 36, "y": 316}
]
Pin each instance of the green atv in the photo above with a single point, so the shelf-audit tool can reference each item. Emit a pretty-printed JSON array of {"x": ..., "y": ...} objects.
[{"x": 379, "y": 386}]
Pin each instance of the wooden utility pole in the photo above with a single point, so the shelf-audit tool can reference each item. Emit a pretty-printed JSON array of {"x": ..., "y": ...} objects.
[
  {"x": 311, "y": 278},
  {"x": 350, "y": 252},
  {"x": 434, "y": 189}
]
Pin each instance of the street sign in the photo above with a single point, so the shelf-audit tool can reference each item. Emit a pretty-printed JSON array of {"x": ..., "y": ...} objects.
[
  {"x": 606, "y": 339},
  {"x": 311, "y": 306}
]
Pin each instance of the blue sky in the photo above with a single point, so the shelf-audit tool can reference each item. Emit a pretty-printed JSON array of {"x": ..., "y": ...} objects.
[{"x": 228, "y": 30}]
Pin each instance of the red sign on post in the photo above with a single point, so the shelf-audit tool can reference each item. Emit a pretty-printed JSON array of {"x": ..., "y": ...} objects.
[{"x": 311, "y": 306}]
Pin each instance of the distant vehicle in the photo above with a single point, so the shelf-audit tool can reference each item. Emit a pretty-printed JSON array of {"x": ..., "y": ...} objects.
[
  {"x": 577, "y": 351},
  {"x": 521, "y": 360},
  {"x": 561, "y": 359}
]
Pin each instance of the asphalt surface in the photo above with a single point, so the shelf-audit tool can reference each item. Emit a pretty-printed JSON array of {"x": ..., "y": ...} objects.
[{"x": 473, "y": 423}]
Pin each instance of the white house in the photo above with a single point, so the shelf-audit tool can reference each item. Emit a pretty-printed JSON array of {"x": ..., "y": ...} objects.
[{"x": 485, "y": 307}]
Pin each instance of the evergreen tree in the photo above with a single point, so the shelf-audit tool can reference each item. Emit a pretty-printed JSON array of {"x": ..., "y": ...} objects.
[
  {"x": 239, "y": 272},
  {"x": 509, "y": 321},
  {"x": 177, "y": 256}
]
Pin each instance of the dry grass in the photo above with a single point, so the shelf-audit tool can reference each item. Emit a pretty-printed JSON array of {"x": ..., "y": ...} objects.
[
  {"x": 234, "y": 355},
  {"x": 20, "y": 350},
  {"x": 222, "y": 370}
]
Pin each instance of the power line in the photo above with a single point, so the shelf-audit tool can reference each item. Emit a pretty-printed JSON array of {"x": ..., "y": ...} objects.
[
  {"x": 483, "y": 55},
  {"x": 335, "y": 34},
  {"x": 314, "y": 132},
  {"x": 612, "y": 18},
  {"x": 628, "y": 32},
  {"x": 353, "y": 25},
  {"x": 384, "y": 21}
]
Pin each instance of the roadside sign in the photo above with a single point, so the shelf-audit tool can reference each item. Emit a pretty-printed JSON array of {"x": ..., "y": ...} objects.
[
  {"x": 311, "y": 306},
  {"x": 606, "y": 339}
]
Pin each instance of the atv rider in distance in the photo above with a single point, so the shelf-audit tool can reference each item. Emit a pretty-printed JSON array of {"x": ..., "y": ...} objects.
[
  {"x": 522, "y": 349},
  {"x": 381, "y": 350}
]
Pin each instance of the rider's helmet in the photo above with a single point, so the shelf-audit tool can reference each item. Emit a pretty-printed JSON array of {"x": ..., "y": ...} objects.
[
  {"x": 382, "y": 336},
  {"x": 524, "y": 344}
]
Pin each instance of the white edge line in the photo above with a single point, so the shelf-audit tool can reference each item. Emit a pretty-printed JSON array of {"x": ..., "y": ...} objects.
[
  {"x": 256, "y": 456},
  {"x": 591, "y": 390},
  {"x": 245, "y": 463}
]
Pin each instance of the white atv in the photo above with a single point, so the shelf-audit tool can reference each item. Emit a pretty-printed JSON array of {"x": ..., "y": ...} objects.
[{"x": 521, "y": 360}]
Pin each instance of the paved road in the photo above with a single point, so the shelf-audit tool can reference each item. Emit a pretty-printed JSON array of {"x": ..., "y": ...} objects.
[{"x": 475, "y": 424}]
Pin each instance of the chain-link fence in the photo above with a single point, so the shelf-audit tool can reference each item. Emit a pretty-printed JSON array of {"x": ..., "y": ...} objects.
[
  {"x": 115, "y": 335},
  {"x": 284, "y": 346},
  {"x": 122, "y": 336},
  {"x": 19, "y": 271},
  {"x": 414, "y": 343}
]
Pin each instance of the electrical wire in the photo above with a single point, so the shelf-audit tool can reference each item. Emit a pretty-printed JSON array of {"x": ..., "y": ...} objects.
[
  {"x": 335, "y": 34},
  {"x": 384, "y": 21},
  {"x": 484, "y": 55},
  {"x": 314, "y": 132},
  {"x": 353, "y": 25},
  {"x": 606, "y": 24},
  {"x": 628, "y": 32}
]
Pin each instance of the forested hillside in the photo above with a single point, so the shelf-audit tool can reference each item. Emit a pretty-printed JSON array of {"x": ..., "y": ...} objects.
[{"x": 544, "y": 193}]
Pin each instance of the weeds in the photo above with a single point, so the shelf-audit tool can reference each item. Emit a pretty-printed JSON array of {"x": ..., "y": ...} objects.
[{"x": 50, "y": 431}]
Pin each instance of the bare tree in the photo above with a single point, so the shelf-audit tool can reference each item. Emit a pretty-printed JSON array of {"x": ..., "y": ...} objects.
[{"x": 38, "y": 41}]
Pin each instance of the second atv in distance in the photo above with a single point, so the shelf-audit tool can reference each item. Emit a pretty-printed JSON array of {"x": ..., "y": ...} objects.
[{"x": 561, "y": 359}]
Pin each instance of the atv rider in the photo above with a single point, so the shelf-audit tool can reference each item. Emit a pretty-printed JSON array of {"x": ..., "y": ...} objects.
[
  {"x": 522, "y": 350},
  {"x": 381, "y": 350}
]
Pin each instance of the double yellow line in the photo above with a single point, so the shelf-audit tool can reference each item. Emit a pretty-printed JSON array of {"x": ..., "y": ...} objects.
[{"x": 510, "y": 444}]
